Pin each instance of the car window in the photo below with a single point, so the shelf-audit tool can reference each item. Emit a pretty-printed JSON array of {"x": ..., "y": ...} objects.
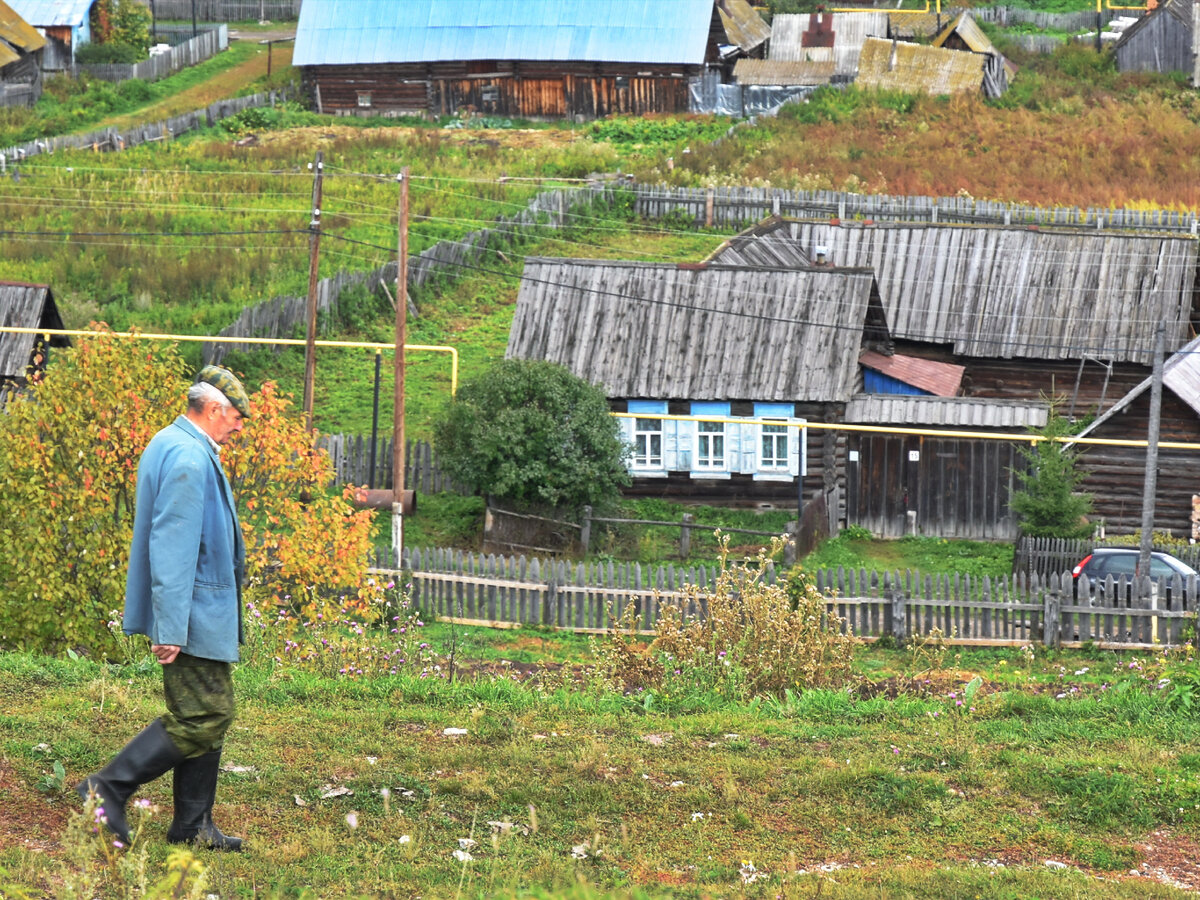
[{"x": 1119, "y": 564}]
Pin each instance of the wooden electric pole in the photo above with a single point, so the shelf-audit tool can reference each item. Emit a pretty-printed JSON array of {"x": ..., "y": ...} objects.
[
  {"x": 398, "y": 396},
  {"x": 314, "y": 249},
  {"x": 1151, "y": 484}
]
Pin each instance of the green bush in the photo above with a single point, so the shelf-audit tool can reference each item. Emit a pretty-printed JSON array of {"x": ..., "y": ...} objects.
[
  {"x": 531, "y": 433},
  {"x": 101, "y": 54}
]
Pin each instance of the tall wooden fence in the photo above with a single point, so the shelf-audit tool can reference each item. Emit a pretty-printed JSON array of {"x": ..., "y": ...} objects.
[
  {"x": 736, "y": 207},
  {"x": 208, "y": 43},
  {"x": 1042, "y": 556},
  {"x": 962, "y": 609},
  {"x": 352, "y": 458},
  {"x": 228, "y": 10},
  {"x": 278, "y": 316},
  {"x": 111, "y": 139}
]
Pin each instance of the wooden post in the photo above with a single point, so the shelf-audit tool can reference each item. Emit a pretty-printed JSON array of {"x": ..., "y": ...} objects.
[
  {"x": 550, "y": 597},
  {"x": 1150, "y": 484},
  {"x": 685, "y": 536},
  {"x": 398, "y": 394},
  {"x": 1051, "y": 614},
  {"x": 314, "y": 249},
  {"x": 899, "y": 614},
  {"x": 793, "y": 542},
  {"x": 585, "y": 529},
  {"x": 709, "y": 198}
]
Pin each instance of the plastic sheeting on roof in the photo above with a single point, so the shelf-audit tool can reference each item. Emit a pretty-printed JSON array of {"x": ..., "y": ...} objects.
[
  {"x": 359, "y": 32},
  {"x": 52, "y": 13}
]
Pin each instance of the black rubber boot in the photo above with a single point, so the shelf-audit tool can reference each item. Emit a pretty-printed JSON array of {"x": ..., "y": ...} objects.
[
  {"x": 195, "y": 793},
  {"x": 143, "y": 759}
]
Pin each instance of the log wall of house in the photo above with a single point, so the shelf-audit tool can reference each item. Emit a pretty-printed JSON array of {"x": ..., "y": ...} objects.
[
  {"x": 1116, "y": 475},
  {"x": 505, "y": 88}
]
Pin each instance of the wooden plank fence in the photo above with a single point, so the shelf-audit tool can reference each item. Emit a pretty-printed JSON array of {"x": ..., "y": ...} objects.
[
  {"x": 548, "y": 210},
  {"x": 195, "y": 49},
  {"x": 902, "y": 605},
  {"x": 228, "y": 10},
  {"x": 111, "y": 139},
  {"x": 738, "y": 207},
  {"x": 351, "y": 456}
]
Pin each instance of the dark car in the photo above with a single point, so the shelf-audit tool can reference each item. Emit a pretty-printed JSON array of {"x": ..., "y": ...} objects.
[{"x": 1105, "y": 561}]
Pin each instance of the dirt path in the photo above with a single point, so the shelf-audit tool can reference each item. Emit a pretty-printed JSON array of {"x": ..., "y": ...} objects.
[{"x": 219, "y": 87}]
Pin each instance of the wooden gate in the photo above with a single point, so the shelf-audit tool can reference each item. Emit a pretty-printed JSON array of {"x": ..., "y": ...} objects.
[{"x": 948, "y": 487}]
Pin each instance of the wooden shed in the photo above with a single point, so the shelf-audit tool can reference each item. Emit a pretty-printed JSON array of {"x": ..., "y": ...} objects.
[
  {"x": 825, "y": 37},
  {"x": 22, "y": 354},
  {"x": 1163, "y": 40},
  {"x": 21, "y": 49},
  {"x": 66, "y": 25},
  {"x": 528, "y": 58},
  {"x": 672, "y": 345},
  {"x": 917, "y": 68}
]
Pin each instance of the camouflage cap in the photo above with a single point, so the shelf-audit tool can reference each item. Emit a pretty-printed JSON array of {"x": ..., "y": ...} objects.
[{"x": 227, "y": 383}]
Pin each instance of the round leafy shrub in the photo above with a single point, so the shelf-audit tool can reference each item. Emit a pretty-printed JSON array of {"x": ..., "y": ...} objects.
[{"x": 108, "y": 54}]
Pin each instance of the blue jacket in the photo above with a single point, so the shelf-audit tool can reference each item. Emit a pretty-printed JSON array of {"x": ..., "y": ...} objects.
[{"x": 187, "y": 557}]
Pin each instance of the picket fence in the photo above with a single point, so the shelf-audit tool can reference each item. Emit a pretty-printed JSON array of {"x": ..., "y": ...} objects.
[
  {"x": 111, "y": 139},
  {"x": 738, "y": 207},
  {"x": 208, "y": 43},
  {"x": 278, "y": 316},
  {"x": 959, "y": 609},
  {"x": 351, "y": 457}
]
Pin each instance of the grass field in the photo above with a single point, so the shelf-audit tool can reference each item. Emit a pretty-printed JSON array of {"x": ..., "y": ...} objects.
[{"x": 1062, "y": 776}]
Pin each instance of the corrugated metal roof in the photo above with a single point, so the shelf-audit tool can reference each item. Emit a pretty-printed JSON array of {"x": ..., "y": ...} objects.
[
  {"x": 743, "y": 25},
  {"x": 1011, "y": 292},
  {"x": 783, "y": 73},
  {"x": 698, "y": 333},
  {"x": 356, "y": 32},
  {"x": 48, "y": 13},
  {"x": 818, "y": 37},
  {"x": 24, "y": 306},
  {"x": 959, "y": 412},
  {"x": 938, "y": 378},
  {"x": 897, "y": 66},
  {"x": 17, "y": 33}
]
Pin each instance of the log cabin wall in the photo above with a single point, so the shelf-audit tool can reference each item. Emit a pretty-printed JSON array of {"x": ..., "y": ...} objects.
[{"x": 503, "y": 88}]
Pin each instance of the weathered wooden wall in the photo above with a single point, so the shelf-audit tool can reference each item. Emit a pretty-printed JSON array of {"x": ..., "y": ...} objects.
[
  {"x": 505, "y": 88},
  {"x": 351, "y": 457},
  {"x": 1162, "y": 43},
  {"x": 227, "y": 10}
]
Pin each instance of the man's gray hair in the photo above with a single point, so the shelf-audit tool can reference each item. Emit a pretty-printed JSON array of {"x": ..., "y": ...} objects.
[{"x": 202, "y": 393}]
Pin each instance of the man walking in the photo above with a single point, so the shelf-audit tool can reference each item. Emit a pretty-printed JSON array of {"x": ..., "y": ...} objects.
[{"x": 184, "y": 592}]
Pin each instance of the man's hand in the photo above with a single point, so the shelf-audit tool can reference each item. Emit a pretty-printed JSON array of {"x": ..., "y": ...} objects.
[{"x": 165, "y": 653}]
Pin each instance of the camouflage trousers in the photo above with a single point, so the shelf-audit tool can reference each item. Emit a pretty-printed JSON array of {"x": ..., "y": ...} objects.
[{"x": 199, "y": 695}]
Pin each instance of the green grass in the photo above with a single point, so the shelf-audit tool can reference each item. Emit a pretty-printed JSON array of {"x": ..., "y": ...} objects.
[
  {"x": 928, "y": 555},
  {"x": 823, "y": 793}
]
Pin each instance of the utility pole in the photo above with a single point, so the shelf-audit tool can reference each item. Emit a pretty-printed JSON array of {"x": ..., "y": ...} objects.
[
  {"x": 398, "y": 396},
  {"x": 314, "y": 248},
  {"x": 1151, "y": 483}
]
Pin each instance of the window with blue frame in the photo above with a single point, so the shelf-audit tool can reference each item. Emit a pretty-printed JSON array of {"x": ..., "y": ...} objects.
[
  {"x": 773, "y": 447},
  {"x": 648, "y": 436},
  {"x": 710, "y": 441}
]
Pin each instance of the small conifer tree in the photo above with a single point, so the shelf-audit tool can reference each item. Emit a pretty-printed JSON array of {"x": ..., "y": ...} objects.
[{"x": 1047, "y": 501}]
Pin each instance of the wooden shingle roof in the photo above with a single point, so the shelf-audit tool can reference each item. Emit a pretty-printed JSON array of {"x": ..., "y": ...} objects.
[
  {"x": 24, "y": 306},
  {"x": 1008, "y": 291},
  {"x": 645, "y": 330}
]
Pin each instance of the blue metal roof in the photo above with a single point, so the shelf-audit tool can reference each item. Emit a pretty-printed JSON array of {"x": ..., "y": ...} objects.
[
  {"x": 49, "y": 13},
  {"x": 345, "y": 32}
]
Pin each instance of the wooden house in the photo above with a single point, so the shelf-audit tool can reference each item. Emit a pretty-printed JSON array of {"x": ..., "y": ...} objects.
[
  {"x": 1029, "y": 314},
  {"x": 1163, "y": 40},
  {"x": 21, "y": 49},
  {"x": 965, "y": 35},
  {"x": 23, "y": 354},
  {"x": 918, "y": 68},
  {"x": 689, "y": 352},
  {"x": 528, "y": 58},
  {"x": 66, "y": 25}
]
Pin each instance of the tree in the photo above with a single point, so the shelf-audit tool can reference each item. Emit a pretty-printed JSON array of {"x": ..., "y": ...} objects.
[
  {"x": 530, "y": 432},
  {"x": 69, "y": 450},
  {"x": 1046, "y": 501}
]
